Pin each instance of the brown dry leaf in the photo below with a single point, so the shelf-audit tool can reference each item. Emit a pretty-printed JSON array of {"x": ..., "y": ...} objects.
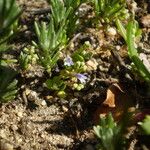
[
  {"x": 112, "y": 92},
  {"x": 116, "y": 102}
]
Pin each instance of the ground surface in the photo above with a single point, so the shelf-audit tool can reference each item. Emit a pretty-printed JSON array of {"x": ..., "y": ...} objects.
[{"x": 38, "y": 121}]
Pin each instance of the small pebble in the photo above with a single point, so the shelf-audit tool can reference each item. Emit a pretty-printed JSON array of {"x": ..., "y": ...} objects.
[
  {"x": 111, "y": 31},
  {"x": 19, "y": 114},
  {"x": 146, "y": 21},
  {"x": 49, "y": 97},
  {"x": 43, "y": 103},
  {"x": 27, "y": 91},
  {"x": 14, "y": 127},
  {"x": 65, "y": 109},
  {"x": 145, "y": 61},
  {"x": 2, "y": 134},
  {"x": 91, "y": 64},
  {"x": 32, "y": 96},
  {"x": 19, "y": 140},
  {"x": 118, "y": 47},
  {"x": 6, "y": 146}
]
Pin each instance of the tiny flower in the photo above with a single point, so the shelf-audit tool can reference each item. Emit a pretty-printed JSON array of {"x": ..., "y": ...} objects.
[
  {"x": 68, "y": 61},
  {"x": 57, "y": 69},
  {"x": 81, "y": 77}
]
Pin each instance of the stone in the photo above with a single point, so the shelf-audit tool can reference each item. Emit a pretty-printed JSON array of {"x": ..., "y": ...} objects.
[
  {"x": 111, "y": 31},
  {"x": 6, "y": 146},
  {"x": 91, "y": 65},
  {"x": 146, "y": 21},
  {"x": 43, "y": 103}
]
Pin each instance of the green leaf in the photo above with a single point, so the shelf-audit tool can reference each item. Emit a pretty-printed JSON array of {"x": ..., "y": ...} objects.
[
  {"x": 130, "y": 34},
  {"x": 145, "y": 125},
  {"x": 109, "y": 10},
  {"x": 109, "y": 133},
  {"x": 56, "y": 84},
  {"x": 133, "y": 53},
  {"x": 8, "y": 16},
  {"x": 121, "y": 29},
  {"x": 8, "y": 85},
  {"x": 37, "y": 30}
]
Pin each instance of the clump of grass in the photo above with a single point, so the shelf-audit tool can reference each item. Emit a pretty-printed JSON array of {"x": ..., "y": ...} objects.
[{"x": 9, "y": 14}]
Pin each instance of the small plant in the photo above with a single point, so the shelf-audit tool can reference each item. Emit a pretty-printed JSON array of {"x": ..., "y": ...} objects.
[
  {"x": 65, "y": 12},
  {"x": 73, "y": 15},
  {"x": 50, "y": 43},
  {"x": 59, "y": 13},
  {"x": 54, "y": 36},
  {"x": 109, "y": 10},
  {"x": 27, "y": 57},
  {"x": 72, "y": 75},
  {"x": 130, "y": 34},
  {"x": 9, "y": 14},
  {"x": 110, "y": 134},
  {"x": 81, "y": 54},
  {"x": 8, "y": 85}
]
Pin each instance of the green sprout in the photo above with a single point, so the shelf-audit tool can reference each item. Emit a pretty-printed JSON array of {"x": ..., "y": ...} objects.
[
  {"x": 73, "y": 15},
  {"x": 50, "y": 43},
  {"x": 27, "y": 57},
  {"x": 109, "y": 10},
  {"x": 55, "y": 35},
  {"x": 81, "y": 54},
  {"x": 8, "y": 85},
  {"x": 109, "y": 134},
  {"x": 52, "y": 37},
  {"x": 65, "y": 12},
  {"x": 57, "y": 84},
  {"x": 59, "y": 13},
  {"x": 9, "y": 14},
  {"x": 24, "y": 60},
  {"x": 130, "y": 34}
]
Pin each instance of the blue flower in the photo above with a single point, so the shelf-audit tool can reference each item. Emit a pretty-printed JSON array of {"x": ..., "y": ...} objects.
[
  {"x": 68, "y": 61},
  {"x": 81, "y": 77},
  {"x": 57, "y": 69}
]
